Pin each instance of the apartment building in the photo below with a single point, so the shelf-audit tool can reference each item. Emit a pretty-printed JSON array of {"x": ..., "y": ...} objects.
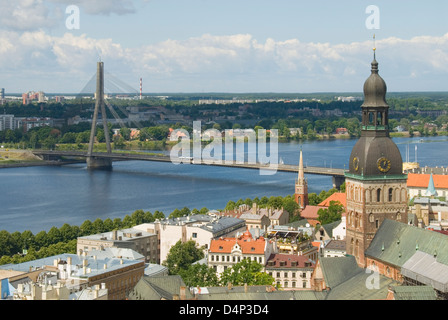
[
  {"x": 226, "y": 252},
  {"x": 291, "y": 272},
  {"x": 144, "y": 243},
  {"x": 201, "y": 228}
]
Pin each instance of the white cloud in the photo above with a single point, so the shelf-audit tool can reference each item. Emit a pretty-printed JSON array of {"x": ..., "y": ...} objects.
[{"x": 232, "y": 63}]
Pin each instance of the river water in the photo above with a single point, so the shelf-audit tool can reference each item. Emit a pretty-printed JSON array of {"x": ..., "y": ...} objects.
[{"x": 38, "y": 198}]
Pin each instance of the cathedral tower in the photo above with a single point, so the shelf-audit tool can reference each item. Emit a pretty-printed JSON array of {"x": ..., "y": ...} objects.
[
  {"x": 375, "y": 183},
  {"x": 301, "y": 187}
]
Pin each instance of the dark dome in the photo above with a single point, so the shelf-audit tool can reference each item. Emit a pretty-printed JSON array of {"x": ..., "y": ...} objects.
[
  {"x": 375, "y": 88},
  {"x": 373, "y": 156}
]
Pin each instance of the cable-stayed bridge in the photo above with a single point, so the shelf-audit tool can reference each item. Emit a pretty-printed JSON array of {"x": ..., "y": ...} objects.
[{"x": 103, "y": 160}]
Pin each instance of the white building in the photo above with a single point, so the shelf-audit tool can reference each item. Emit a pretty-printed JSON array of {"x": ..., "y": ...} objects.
[{"x": 200, "y": 228}]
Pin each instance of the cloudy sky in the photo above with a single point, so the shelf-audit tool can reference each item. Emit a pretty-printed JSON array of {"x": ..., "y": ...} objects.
[{"x": 223, "y": 45}]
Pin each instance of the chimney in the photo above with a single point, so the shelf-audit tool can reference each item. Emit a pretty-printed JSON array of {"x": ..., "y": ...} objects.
[
  {"x": 115, "y": 235},
  {"x": 183, "y": 295}
]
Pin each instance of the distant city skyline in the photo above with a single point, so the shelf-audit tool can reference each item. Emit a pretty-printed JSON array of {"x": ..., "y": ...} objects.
[{"x": 196, "y": 46}]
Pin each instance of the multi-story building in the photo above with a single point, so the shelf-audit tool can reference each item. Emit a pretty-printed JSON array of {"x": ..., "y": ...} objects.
[
  {"x": 144, "y": 243},
  {"x": 418, "y": 183},
  {"x": 226, "y": 252},
  {"x": 8, "y": 121},
  {"x": 291, "y": 272},
  {"x": 201, "y": 228},
  {"x": 77, "y": 272}
]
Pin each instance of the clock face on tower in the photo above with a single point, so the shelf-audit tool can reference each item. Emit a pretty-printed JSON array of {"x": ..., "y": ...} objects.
[
  {"x": 383, "y": 164},
  {"x": 356, "y": 163}
]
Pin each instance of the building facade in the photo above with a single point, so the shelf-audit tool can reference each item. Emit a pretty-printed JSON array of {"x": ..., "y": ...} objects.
[
  {"x": 140, "y": 241},
  {"x": 200, "y": 228},
  {"x": 291, "y": 272},
  {"x": 226, "y": 252}
]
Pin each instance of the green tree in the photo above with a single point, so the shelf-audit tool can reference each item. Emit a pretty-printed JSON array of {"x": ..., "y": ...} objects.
[
  {"x": 246, "y": 272},
  {"x": 7, "y": 244},
  {"x": 87, "y": 228},
  {"x": 182, "y": 255},
  {"x": 148, "y": 217},
  {"x": 98, "y": 226},
  {"x": 199, "y": 275},
  {"x": 331, "y": 214},
  {"x": 159, "y": 215},
  {"x": 54, "y": 235},
  {"x": 138, "y": 217}
]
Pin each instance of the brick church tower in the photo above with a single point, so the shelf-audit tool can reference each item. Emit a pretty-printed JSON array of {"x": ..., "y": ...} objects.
[
  {"x": 375, "y": 183},
  {"x": 301, "y": 187}
]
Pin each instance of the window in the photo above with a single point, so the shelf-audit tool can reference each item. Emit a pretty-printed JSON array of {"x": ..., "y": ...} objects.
[
  {"x": 377, "y": 223},
  {"x": 304, "y": 284},
  {"x": 390, "y": 194},
  {"x": 195, "y": 235},
  {"x": 378, "y": 195},
  {"x": 285, "y": 275}
]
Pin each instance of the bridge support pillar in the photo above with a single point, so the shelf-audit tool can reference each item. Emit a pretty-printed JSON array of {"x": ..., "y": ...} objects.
[
  {"x": 99, "y": 163},
  {"x": 338, "y": 181}
]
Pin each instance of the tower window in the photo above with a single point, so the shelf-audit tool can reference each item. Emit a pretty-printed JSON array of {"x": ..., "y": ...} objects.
[
  {"x": 378, "y": 195},
  {"x": 390, "y": 194}
]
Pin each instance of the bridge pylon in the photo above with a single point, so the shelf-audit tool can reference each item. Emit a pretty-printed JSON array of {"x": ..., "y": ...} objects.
[{"x": 92, "y": 161}]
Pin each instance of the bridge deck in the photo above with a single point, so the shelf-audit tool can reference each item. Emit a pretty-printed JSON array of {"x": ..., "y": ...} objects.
[{"x": 335, "y": 172}]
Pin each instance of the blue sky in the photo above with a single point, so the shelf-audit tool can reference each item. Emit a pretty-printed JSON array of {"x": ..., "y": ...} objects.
[{"x": 223, "y": 46}]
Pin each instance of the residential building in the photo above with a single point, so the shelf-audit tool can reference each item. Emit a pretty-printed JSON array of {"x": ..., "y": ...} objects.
[
  {"x": 75, "y": 273},
  {"x": 418, "y": 183},
  {"x": 291, "y": 272},
  {"x": 334, "y": 248},
  {"x": 201, "y": 228},
  {"x": 29, "y": 123},
  {"x": 258, "y": 218},
  {"x": 144, "y": 243},
  {"x": 8, "y": 121},
  {"x": 225, "y": 252}
]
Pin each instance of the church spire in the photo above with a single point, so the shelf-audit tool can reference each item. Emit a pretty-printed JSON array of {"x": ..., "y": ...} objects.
[
  {"x": 301, "y": 176},
  {"x": 301, "y": 187}
]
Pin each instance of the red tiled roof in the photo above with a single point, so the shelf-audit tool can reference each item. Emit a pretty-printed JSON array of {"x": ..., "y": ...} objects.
[
  {"x": 337, "y": 196},
  {"x": 248, "y": 244},
  {"x": 310, "y": 212},
  {"x": 418, "y": 180}
]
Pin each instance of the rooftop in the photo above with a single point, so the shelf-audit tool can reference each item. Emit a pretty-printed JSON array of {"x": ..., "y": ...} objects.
[
  {"x": 416, "y": 180},
  {"x": 94, "y": 266},
  {"x": 246, "y": 242},
  {"x": 340, "y": 197}
]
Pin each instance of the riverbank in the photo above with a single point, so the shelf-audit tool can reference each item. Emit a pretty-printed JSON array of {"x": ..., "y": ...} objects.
[{"x": 16, "y": 158}]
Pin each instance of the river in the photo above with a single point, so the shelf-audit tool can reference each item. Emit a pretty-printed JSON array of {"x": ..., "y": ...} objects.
[{"x": 38, "y": 198}]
